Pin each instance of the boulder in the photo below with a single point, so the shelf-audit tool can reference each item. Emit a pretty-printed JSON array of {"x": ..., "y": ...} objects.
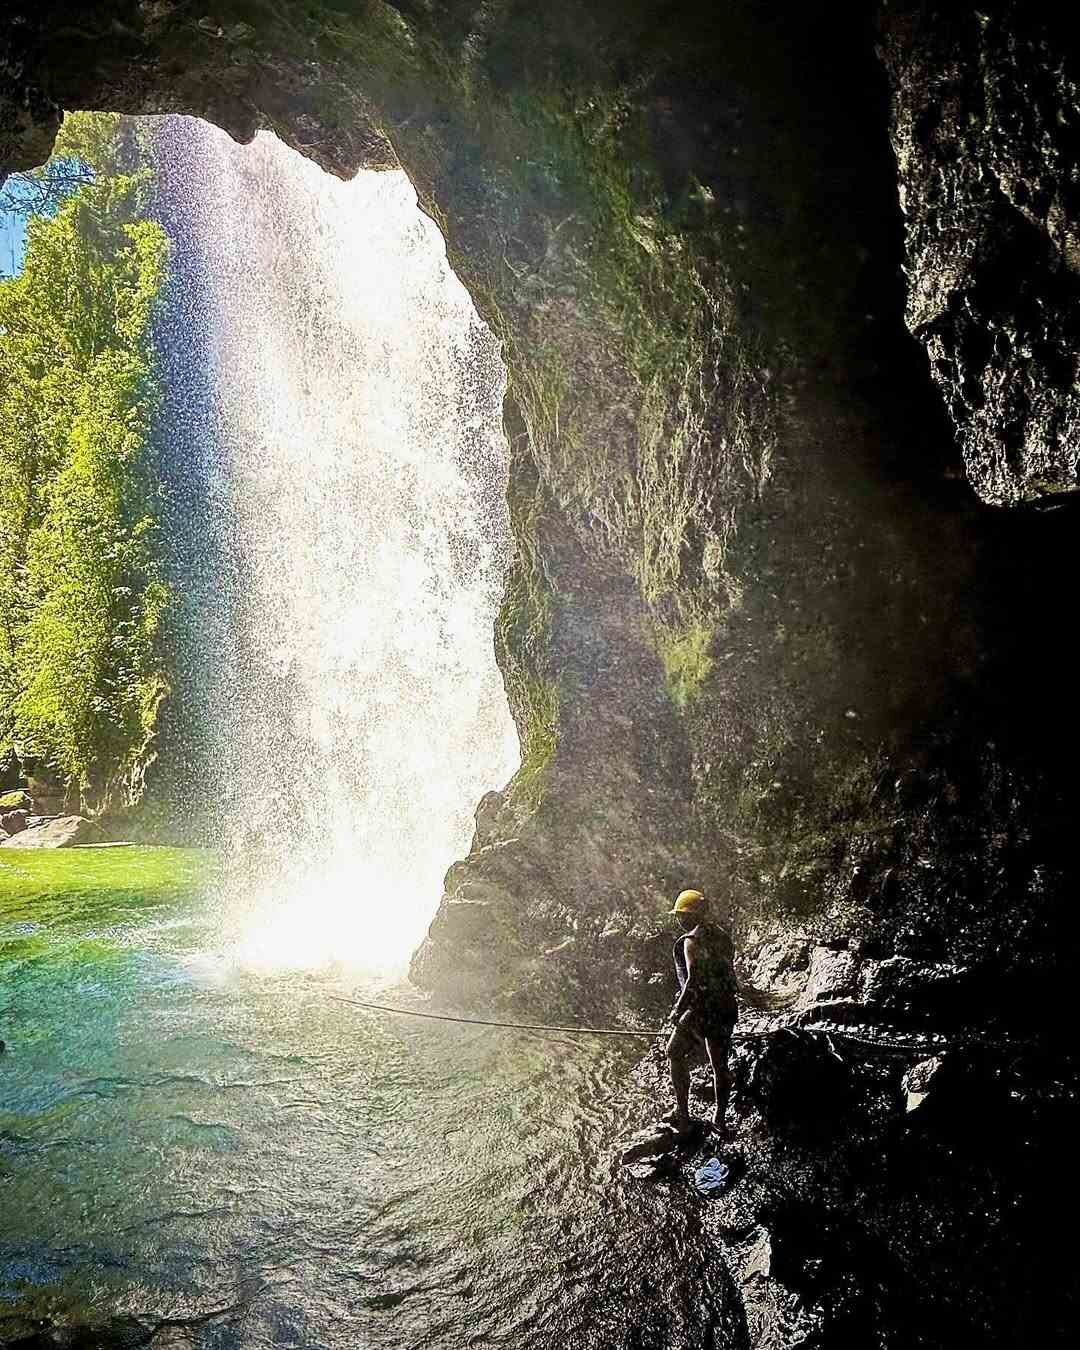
[
  {"x": 459, "y": 919},
  {"x": 13, "y": 822},
  {"x": 901, "y": 981},
  {"x": 963, "y": 1096},
  {"x": 779, "y": 965},
  {"x": 488, "y": 819},
  {"x": 60, "y": 832},
  {"x": 776, "y": 1316},
  {"x": 17, "y": 800},
  {"x": 918, "y": 1081},
  {"x": 798, "y": 1081},
  {"x": 831, "y": 974},
  {"x": 657, "y": 1148}
]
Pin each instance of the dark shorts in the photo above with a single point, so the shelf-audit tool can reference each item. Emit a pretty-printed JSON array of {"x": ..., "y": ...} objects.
[{"x": 695, "y": 1028}]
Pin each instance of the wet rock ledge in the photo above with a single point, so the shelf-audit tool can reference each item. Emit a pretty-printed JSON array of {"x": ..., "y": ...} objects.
[{"x": 787, "y": 295}]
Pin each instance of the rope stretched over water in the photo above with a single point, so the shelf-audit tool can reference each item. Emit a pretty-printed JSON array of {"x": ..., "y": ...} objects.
[{"x": 485, "y": 1022}]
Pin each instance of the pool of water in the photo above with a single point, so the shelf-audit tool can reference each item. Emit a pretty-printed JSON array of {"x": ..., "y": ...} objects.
[{"x": 195, "y": 1155}]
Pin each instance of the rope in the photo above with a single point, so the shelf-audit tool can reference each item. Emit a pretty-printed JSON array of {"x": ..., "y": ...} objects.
[
  {"x": 891, "y": 1046},
  {"x": 485, "y": 1022},
  {"x": 895, "y": 1045},
  {"x": 933, "y": 1043}
]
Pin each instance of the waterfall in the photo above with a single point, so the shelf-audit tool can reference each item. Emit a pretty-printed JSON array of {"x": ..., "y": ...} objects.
[{"x": 351, "y": 430}]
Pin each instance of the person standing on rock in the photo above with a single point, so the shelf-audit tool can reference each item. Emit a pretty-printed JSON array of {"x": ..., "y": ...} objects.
[{"x": 705, "y": 1011}]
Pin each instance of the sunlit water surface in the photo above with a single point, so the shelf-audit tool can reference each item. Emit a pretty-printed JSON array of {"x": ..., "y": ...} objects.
[{"x": 225, "y": 1159}]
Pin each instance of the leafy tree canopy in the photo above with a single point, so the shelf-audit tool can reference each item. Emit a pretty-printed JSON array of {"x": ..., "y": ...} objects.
[
  {"x": 88, "y": 146},
  {"x": 82, "y": 600}
]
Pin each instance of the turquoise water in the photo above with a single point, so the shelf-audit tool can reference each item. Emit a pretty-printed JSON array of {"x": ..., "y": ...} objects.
[{"x": 196, "y": 1156}]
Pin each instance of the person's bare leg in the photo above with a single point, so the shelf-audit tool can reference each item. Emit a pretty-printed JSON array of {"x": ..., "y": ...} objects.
[
  {"x": 718, "y": 1049},
  {"x": 680, "y": 1081}
]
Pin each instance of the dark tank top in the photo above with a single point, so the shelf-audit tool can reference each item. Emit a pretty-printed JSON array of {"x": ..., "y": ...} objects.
[{"x": 715, "y": 965}]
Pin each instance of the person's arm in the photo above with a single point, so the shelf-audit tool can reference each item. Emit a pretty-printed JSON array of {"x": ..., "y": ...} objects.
[{"x": 689, "y": 989}]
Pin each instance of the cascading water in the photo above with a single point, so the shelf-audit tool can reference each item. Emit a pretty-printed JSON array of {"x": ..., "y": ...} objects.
[{"x": 357, "y": 713}]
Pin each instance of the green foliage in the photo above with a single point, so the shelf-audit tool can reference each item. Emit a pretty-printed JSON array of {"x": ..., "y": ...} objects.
[
  {"x": 90, "y": 137},
  {"x": 14, "y": 801},
  {"x": 87, "y": 147},
  {"x": 81, "y": 675}
]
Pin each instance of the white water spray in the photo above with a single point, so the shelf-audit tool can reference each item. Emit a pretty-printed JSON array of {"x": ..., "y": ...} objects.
[{"x": 361, "y": 715}]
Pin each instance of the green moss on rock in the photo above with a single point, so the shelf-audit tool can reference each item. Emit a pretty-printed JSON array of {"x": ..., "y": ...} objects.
[
  {"x": 685, "y": 653},
  {"x": 538, "y": 701}
]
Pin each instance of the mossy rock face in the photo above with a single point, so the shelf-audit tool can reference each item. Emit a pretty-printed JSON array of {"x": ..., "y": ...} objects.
[{"x": 19, "y": 800}]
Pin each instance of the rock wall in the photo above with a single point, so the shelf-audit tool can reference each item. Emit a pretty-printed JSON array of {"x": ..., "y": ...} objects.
[
  {"x": 986, "y": 129},
  {"x": 787, "y": 298}
]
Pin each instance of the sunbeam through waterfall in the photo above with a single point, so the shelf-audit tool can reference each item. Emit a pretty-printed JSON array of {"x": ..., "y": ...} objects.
[{"x": 357, "y": 713}]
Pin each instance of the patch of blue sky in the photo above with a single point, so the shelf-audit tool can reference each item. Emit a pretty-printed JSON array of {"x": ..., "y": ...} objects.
[
  {"x": 23, "y": 194},
  {"x": 12, "y": 243},
  {"x": 13, "y": 223}
]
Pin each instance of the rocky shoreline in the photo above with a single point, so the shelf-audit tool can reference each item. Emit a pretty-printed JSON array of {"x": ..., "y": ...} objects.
[
  {"x": 866, "y": 1158},
  {"x": 47, "y": 831},
  {"x": 36, "y": 811}
]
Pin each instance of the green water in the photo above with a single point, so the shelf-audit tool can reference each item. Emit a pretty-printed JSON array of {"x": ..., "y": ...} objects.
[
  {"x": 192, "y": 1155},
  {"x": 53, "y": 890}
]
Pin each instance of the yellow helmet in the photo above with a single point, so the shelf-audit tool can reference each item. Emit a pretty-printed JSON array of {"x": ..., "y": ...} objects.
[{"x": 690, "y": 902}]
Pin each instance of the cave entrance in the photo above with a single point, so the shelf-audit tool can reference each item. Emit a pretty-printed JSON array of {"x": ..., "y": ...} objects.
[{"x": 332, "y": 470}]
